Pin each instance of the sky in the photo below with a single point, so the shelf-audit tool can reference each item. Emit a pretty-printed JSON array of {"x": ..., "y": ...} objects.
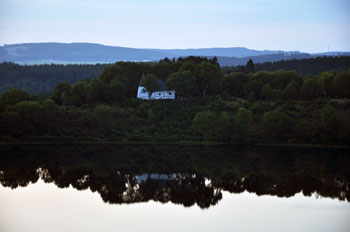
[
  {"x": 44, "y": 207},
  {"x": 290, "y": 25}
]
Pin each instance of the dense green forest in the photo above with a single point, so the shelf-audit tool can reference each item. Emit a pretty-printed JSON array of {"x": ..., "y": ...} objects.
[
  {"x": 42, "y": 79},
  {"x": 307, "y": 66},
  {"x": 240, "y": 107}
]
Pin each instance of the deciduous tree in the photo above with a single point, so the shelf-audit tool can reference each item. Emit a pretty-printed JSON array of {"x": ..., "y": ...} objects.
[
  {"x": 58, "y": 91},
  {"x": 183, "y": 82},
  {"x": 50, "y": 109},
  {"x": 150, "y": 83},
  {"x": 104, "y": 117}
]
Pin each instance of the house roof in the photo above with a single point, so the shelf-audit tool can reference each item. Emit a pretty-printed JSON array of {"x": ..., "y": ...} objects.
[
  {"x": 162, "y": 86},
  {"x": 142, "y": 79}
]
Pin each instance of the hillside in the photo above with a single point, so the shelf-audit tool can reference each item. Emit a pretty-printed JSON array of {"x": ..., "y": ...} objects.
[{"x": 89, "y": 53}]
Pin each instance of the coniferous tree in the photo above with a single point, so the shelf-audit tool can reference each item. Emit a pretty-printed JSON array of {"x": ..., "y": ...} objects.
[{"x": 250, "y": 66}]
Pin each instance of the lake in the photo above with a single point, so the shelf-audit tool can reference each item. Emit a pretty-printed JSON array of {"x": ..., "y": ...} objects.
[{"x": 173, "y": 188}]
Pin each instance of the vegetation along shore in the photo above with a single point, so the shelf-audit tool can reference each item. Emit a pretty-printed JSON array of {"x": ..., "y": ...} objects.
[{"x": 235, "y": 105}]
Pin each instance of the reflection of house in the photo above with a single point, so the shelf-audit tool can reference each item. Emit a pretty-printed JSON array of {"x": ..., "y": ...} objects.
[
  {"x": 163, "y": 92},
  {"x": 159, "y": 177}
]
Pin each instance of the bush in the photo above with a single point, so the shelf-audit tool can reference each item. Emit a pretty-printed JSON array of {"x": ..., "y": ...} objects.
[
  {"x": 139, "y": 138},
  {"x": 5, "y": 138}
]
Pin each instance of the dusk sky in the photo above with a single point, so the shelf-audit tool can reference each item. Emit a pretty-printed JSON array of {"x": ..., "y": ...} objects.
[{"x": 304, "y": 25}]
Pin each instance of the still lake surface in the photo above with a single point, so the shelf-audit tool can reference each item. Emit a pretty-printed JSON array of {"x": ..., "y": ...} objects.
[{"x": 173, "y": 188}]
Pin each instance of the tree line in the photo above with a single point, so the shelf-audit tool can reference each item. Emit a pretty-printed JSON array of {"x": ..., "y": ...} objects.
[
  {"x": 41, "y": 79},
  {"x": 194, "y": 77},
  {"x": 305, "y": 66}
]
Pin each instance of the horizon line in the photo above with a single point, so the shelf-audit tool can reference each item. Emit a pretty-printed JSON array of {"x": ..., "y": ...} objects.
[{"x": 188, "y": 48}]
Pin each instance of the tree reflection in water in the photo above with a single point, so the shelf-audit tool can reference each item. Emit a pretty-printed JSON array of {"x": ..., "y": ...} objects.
[{"x": 185, "y": 175}]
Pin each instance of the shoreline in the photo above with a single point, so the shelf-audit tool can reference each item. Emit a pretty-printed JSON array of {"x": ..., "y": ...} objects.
[{"x": 182, "y": 143}]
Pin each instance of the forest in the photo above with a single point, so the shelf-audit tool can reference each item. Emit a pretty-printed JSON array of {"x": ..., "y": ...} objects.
[
  {"x": 305, "y": 66},
  {"x": 242, "y": 107},
  {"x": 42, "y": 79}
]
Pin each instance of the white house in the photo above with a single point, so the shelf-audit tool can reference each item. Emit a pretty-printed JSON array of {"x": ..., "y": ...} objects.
[{"x": 163, "y": 93}]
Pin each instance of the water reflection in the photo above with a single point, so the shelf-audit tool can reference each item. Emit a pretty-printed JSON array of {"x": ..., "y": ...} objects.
[{"x": 181, "y": 175}]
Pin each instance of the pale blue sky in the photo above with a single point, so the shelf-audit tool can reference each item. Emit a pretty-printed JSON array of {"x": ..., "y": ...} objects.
[{"x": 304, "y": 25}]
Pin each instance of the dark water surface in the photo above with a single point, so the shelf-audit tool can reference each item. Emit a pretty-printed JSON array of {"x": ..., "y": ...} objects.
[{"x": 173, "y": 188}]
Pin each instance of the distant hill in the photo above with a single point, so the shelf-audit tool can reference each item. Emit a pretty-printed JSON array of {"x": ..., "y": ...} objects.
[
  {"x": 89, "y": 53},
  {"x": 237, "y": 52},
  {"x": 74, "y": 53}
]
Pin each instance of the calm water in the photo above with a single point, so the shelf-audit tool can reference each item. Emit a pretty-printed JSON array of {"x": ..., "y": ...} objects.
[{"x": 173, "y": 188}]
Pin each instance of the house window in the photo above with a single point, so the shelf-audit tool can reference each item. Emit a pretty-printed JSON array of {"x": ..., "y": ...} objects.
[{"x": 169, "y": 93}]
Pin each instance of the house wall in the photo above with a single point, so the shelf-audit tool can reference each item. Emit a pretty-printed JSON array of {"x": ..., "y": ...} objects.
[
  {"x": 141, "y": 94},
  {"x": 155, "y": 95}
]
